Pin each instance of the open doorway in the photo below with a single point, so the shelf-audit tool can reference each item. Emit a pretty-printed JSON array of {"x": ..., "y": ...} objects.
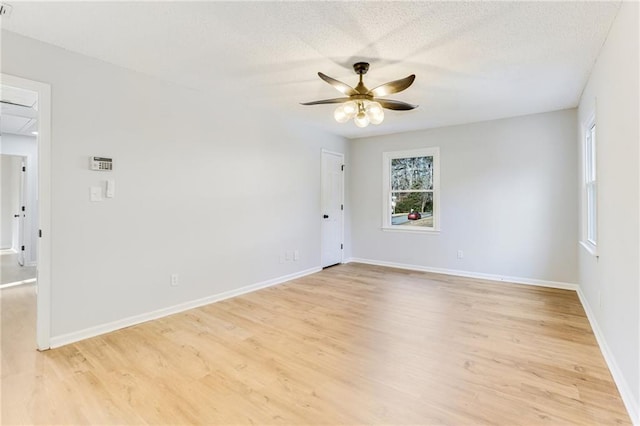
[
  {"x": 25, "y": 205},
  {"x": 19, "y": 178},
  {"x": 18, "y": 267}
]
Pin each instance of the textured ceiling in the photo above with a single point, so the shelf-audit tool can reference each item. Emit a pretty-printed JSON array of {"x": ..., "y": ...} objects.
[{"x": 474, "y": 61}]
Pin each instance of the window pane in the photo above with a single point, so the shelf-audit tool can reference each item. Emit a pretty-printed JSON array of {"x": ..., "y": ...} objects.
[
  {"x": 412, "y": 173},
  {"x": 588, "y": 160},
  {"x": 592, "y": 153},
  {"x": 591, "y": 213},
  {"x": 412, "y": 208},
  {"x": 590, "y": 185}
]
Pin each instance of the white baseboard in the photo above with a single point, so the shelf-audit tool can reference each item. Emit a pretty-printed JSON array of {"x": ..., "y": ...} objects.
[
  {"x": 632, "y": 406},
  {"x": 65, "y": 339},
  {"x": 13, "y": 284},
  {"x": 468, "y": 274}
]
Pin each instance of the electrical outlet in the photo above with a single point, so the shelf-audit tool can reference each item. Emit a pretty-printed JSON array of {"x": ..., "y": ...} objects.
[
  {"x": 174, "y": 280},
  {"x": 460, "y": 254},
  {"x": 289, "y": 255},
  {"x": 296, "y": 255},
  {"x": 282, "y": 258}
]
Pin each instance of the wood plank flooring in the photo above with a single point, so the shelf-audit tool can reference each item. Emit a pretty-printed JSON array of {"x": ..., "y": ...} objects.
[{"x": 353, "y": 344}]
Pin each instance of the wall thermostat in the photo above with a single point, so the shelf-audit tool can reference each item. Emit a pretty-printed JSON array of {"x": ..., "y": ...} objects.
[{"x": 101, "y": 163}]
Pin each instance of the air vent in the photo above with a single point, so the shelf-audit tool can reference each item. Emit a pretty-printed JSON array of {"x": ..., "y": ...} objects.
[{"x": 5, "y": 9}]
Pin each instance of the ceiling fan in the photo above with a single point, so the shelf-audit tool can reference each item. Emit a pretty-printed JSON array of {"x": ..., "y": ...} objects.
[{"x": 362, "y": 104}]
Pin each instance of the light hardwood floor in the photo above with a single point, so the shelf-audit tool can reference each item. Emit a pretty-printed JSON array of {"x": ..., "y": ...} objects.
[
  {"x": 353, "y": 344},
  {"x": 11, "y": 271}
]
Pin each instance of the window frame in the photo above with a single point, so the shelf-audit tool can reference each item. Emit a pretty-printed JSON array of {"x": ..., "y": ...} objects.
[
  {"x": 589, "y": 238},
  {"x": 387, "y": 157}
]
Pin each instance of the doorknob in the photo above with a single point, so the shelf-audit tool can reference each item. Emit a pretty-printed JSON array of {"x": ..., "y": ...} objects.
[
  {"x": 16, "y": 215},
  {"x": 325, "y": 216}
]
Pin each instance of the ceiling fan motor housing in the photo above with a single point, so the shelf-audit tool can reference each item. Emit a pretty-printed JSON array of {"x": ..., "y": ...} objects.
[{"x": 361, "y": 68}]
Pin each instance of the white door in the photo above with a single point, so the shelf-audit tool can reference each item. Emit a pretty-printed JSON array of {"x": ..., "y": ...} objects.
[{"x": 332, "y": 178}]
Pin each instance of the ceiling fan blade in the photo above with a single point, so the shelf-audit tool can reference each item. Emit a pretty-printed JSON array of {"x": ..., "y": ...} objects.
[
  {"x": 392, "y": 86},
  {"x": 342, "y": 87},
  {"x": 395, "y": 105},
  {"x": 327, "y": 101}
]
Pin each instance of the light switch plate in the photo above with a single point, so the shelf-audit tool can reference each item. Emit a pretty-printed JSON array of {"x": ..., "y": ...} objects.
[
  {"x": 96, "y": 193},
  {"x": 111, "y": 188}
]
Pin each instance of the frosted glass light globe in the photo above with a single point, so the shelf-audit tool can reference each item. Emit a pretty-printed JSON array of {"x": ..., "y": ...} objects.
[
  {"x": 345, "y": 112},
  {"x": 340, "y": 114},
  {"x": 350, "y": 108},
  {"x": 361, "y": 120},
  {"x": 375, "y": 112}
]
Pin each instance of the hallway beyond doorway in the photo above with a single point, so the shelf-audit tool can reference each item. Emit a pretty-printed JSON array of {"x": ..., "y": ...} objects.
[{"x": 12, "y": 272}]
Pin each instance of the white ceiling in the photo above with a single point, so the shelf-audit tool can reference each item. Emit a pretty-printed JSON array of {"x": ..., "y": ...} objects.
[
  {"x": 474, "y": 61},
  {"x": 18, "y": 111}
]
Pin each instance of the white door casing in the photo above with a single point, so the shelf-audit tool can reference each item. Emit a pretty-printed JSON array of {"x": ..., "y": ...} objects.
[
  {"x": 332, "y": 205},
  {"x": 43, "y": 286}
]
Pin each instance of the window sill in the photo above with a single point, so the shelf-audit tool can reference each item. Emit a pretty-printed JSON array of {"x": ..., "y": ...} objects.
[
  {"x": 590, "y": 248},
  {"x": 410, "y": 230}
]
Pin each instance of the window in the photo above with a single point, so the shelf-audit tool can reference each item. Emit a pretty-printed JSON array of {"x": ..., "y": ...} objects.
[
  {"x": 411, "y": 190},
  {"x": 590, "y": 188}
]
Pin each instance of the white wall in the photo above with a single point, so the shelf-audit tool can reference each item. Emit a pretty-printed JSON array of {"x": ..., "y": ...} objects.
[
  {"x": 206, "y": 187},
  {"x": 610, "y": 284},
  {"x": 508, "y": 199},
  {"x": 27, "y": 146}
]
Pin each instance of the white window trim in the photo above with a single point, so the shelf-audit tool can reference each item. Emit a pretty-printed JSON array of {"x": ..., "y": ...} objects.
[
  {"x": 590, "y": 248},
  {"x": 386, "y": 189},
  {"x": 589, "y": 245}
]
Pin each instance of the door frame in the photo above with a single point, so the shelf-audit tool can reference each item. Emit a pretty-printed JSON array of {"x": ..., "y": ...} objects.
[
  {"x": 341, "y": 155},
  {"x": 21, "y": 213},
  {"x": 43, "y": 289}
]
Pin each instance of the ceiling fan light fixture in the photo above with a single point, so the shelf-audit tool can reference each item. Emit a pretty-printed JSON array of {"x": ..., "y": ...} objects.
[
  {"x": 345, "y": 112},
  {"x": 362, "y": 119},
  {"x": 341, "y": 115},
  {"x": 375, "y": 112},
  {"x": 362, "y": 104},
  {"x": 363, "y": 112},
  {"x": 351, "y": 108}
]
